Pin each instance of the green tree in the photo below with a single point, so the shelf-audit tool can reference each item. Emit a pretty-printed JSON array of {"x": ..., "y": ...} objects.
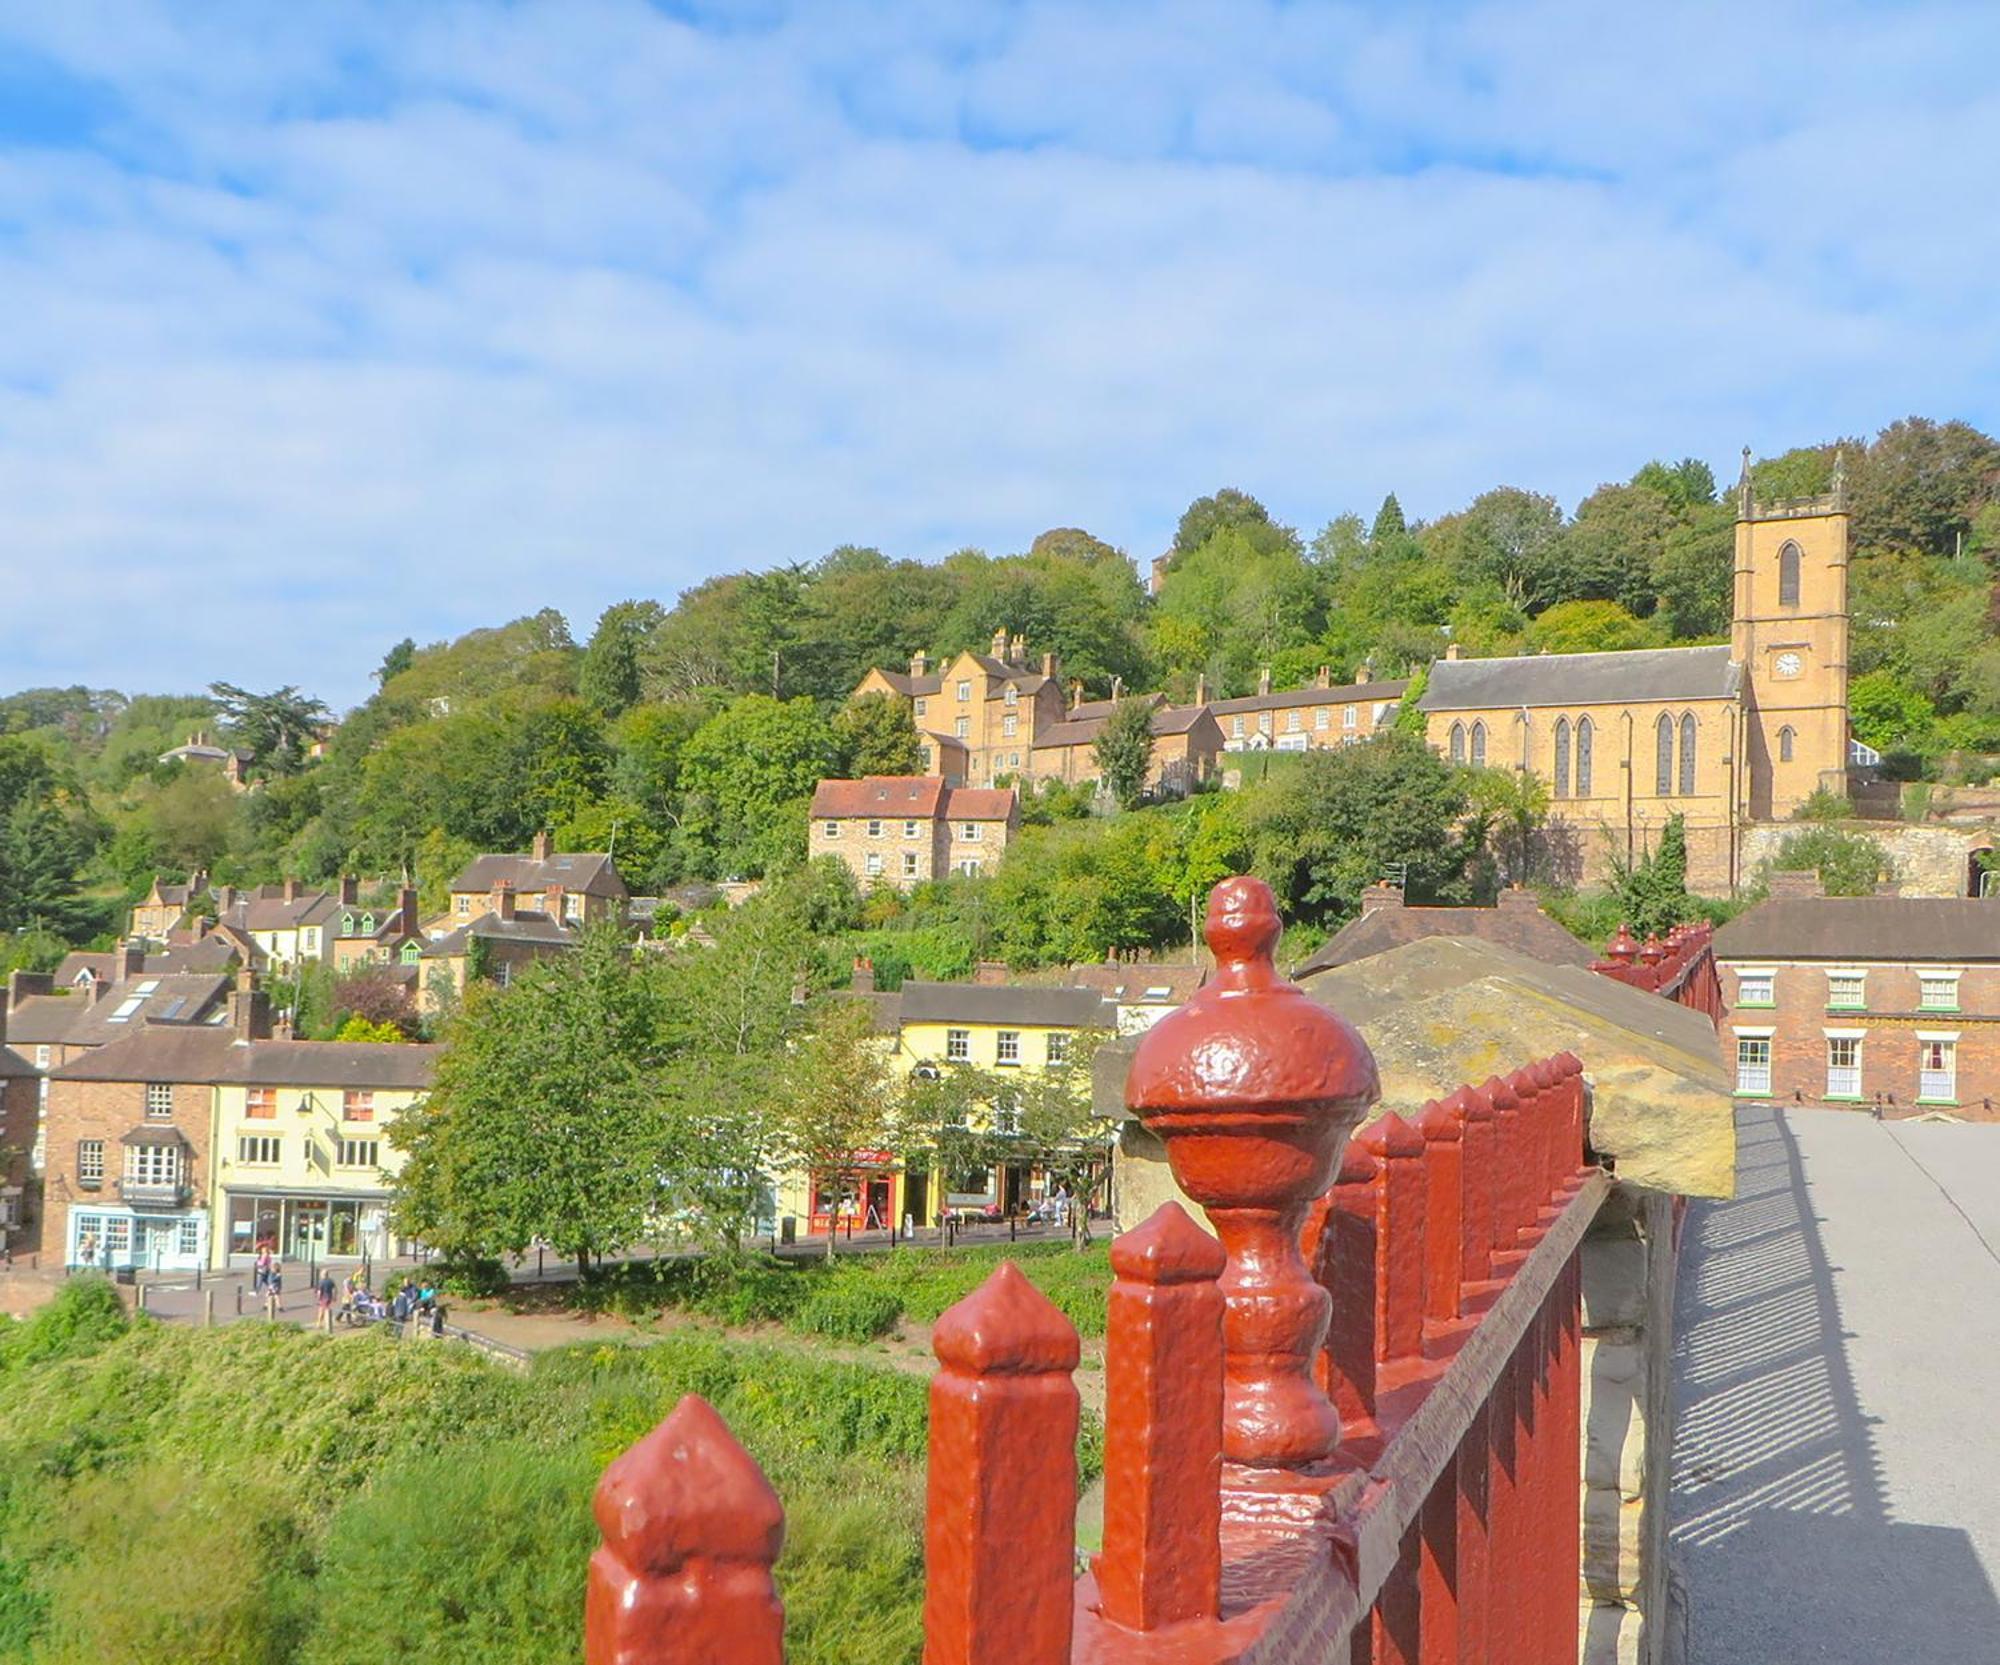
[
  {"x": 608, "y": 676},
  {"x": 831, "y": 1095},
  {"x": 1515, "y": 805},
  {"x": 875, "y": 735},
  {"x": 1227, "y": 509},
  {"x": 396, "y": 661},
  {"x": 1890, "y": 715},
  {"x": 1124, "y": 750},
  {"x": 545, "y": 1120},
  {"x": 1389, "y": 521},
  {"x": 276, "y": 728},
  {"x": 1508, "y": 538},
  {"x": 1340, "y": 820},
  {"x": 746, "y": 775},
  {"x": 1848, "y": 863},
  {"x": 1653, "y": 892},
  {"x": 1589, "y": 627}
]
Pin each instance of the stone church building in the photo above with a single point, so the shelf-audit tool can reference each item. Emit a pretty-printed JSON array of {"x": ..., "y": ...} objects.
[{"x": 1724, "y": 736}]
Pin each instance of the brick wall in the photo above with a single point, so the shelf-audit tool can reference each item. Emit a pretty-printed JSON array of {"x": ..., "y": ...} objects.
[
  {"x": 1889, "y": 1027},
  {"x": 108, "y": 1110}
]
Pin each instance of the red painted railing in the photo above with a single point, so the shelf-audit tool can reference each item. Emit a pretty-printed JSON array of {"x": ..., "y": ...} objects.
[
  {"x": 1346, "y": 1427},
  {"x": 1679, "y": 967}
]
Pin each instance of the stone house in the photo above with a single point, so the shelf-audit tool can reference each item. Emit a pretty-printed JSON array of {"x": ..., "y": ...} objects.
[
  {"x": 287, "y": 924},
  {"x": 502, "y": 940},
  {"x": 1187, "y": 746},
  {"x": 1305, "y": 719},
  {"x": 977, "y": 711},
  {"x": 1890, "y": 1003},
  {"x": 904, "y": 830},
  {"x": 574, "y": 887},
  {"x": 162, "y": 907},
  {"x": 362, "y": 933},
  {"x": 1725, "y": 736}
]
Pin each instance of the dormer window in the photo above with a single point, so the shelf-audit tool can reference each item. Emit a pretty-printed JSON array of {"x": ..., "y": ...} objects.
[
  {"x": 1012, "y": 696},
  {"x": 964, "y": 692}
]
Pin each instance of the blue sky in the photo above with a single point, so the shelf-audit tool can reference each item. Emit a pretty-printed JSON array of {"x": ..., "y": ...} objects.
[{"x": 328, "y": 323}]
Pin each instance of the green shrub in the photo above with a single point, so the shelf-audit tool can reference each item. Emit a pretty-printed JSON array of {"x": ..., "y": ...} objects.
[
  {"x": 85, "y": 1315},
  {"x": 851, "y": 1309},
  {"x": 458, "y": 1562}
]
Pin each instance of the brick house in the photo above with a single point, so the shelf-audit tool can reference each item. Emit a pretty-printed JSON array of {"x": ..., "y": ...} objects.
[
  {"x": 1885, "y": 1002},
  {"x": 501, "y": 941},
  {"x": 126, "y": 1137},
  {"x": 362, "y": 933},
  {"x": 161, "y": 908},
  {"x": 903, "y": 830},
  {"x": 20, "y": 1115},
  {"x": 1186, "y": 745}
]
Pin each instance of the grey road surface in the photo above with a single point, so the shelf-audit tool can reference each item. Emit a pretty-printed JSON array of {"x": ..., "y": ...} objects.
[{"x": 1837, "y": 1388}]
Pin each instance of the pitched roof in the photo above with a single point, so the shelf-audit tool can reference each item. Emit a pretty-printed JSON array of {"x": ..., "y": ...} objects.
[
  {"x": 102, "y": 966},
  {"x": 911, "y": 686},
  {"x": 1630, "y": 678},
  {"x": 43, "y": 1019},
  {"x": 14, "y": 1066},
  {"x": 526, "y": 926},
  {"x": 1004, "y": 1003},
  {"x": 979, "y": 803},
  {"x": 878, "y": 795},
  {"x": 591, "y": 872},
  {"x": 1859, "y": 929},
  {"x": 1075, "y": 731},
  {"x": 265, "y": 911},
  {"x": 1353, "y": 693},
  {"x": 183, "y": 1000},
  {"x": 1525, "y": 929},
  {"x": 172, "y": 1052},
  {"x": 213, "y": 953}
]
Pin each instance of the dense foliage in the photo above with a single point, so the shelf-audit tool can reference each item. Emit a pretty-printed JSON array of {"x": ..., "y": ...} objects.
[
  {"x": 686, "y": 738},
  {"x": 257, "y": 1496}
]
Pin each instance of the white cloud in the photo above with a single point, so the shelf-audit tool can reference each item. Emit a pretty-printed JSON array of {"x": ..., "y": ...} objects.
[{"x": 409, "y": 321}]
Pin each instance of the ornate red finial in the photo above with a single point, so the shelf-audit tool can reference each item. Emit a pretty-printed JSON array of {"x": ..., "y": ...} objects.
[
  {"x": 1623, "y": 947},
  {"x": 691, "y": 1527},
  {"x": 1653, "y": 952},
  {"x": 1254, "y": 1087}
]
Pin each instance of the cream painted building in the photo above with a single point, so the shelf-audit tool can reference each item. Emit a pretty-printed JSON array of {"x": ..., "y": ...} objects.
[
  {"x": 995, "y": 1028},
  {"x": 1724, "y": 736}
]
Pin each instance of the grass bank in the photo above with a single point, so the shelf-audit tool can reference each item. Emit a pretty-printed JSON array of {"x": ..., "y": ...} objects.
[{"x": 255, "y": 1495}]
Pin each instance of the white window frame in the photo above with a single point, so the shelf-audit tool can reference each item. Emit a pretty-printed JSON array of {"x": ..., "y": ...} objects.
[
  {"x": 1007, "y": 1047},
  {"x": 971, "y": 832},
  {"x": 1846, "y": 974},
  {"x": 909, "y": 829},
  {"x": 1011, "y": 695},
  {"x": 1350, "y": 716},
  {"x": 968, "y": 868},
  {"x": 1294, "y": 722},
  {"x": 153, "y": 1165},
  {"x": 348, "y": 1154},
  {"x": 964, "y": 692},
  {"x": 1930, "y": 980},
  {"x": 909, "y": 864},
  {"x": 259, "y": 1150},
  {"x": 1322, "y": 718},
  {"x": 1843, "y": 1081},
  {"x": 1236, "y": 728},
  {"x": 1747, "y": 1084},
  {"x": 1010, "y": 726},
  {"x": 963, "y": 728},
  {"x": 833, "y": 829},
  {"x": 1940, "y": 1085},
  {"x": 159, "y": 1101},
  {"x": 872, "y": 864},
  {"x": 874, "y": 829},
  {"x": 1766, "y": 974},
  {"x": 1055, "y": 1050},
  {"x": 90, "y": 1162},
  {"x": 958, "y": 1046},
  {"x": 921, "y": 706}
]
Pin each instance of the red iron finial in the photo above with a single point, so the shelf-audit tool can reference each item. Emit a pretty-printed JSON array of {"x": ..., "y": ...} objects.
[{"x": 1254, "y": 1088}]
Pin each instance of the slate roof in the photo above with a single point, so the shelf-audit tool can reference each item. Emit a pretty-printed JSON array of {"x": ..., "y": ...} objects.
[
  {"x": 590, "y": 872},
  {"x": 1004, "y": 1003},
  {"x": 1864, "y": 929},
  {"x": 44, "y": 1019},
  {"x": 1630, "y": 678},
  {"x": 526, "y": 926},
  {"x": 265, "y": 911},
  {"x": 175, "y": 1053},
  {"x": 14, "y": 1066},
  {"x": 1526, "y": 930},
  {"x": 183, "y": 1001},
  {"x": 1074, "y": 731},
  {"x": 211, "y": 954},
  {"x": 911, "y": 686},
  {"x": 1356, "y": 693}
]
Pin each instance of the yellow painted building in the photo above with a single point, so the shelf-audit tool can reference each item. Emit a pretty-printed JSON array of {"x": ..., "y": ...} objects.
[
  {"x": 992, "y": 1027},
  {"x": 1724, "y": 736},
  {"x": 299, "y": 1149}
]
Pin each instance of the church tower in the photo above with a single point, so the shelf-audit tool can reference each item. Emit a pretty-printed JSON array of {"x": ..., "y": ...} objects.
[{"x": 1789, "y": 633}]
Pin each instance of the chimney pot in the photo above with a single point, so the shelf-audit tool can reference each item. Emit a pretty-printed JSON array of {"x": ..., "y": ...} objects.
[
  {"x": 1323, "y": 678},
  {"x": 502, "y": 899},
  {"x": 350, "y": 890},
  {"x": 291, "y": 890},
  {"x": 864, "y": 975},
  {"x": 1264, "y": 680},
  {"x": 999, "y": 644},
  {"x": 544, "y": 846},
  {"x": 1451, "y": 650}
]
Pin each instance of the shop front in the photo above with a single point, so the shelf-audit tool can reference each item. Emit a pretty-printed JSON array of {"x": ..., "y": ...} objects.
[
  {"x": 115, "y": 1239},
  {"x": 862, "y": 1196},
  {"x": 302, "y": 1226}
]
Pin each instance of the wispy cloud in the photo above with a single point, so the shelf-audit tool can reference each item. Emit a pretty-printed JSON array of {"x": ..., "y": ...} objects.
[{"x": 390, "y": 319}]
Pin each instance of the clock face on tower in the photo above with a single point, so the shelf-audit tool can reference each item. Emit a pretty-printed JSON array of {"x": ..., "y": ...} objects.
[{"x": 1788, "y": 664}]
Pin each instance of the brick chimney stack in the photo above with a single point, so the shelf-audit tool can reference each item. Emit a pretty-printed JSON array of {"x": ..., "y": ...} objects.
[
  {"x": 1264, "y": 680},
  {"x": 501, "y": 899},
  {"x": 406, "y": 904},
  {"x": 864, "y": 975},
  {"x": 1049, "y": 666},
  {"x": 1201, "y": 689},
  {"x": 1519, "y": 899},
  {"x": 350, "y": 890},
  {"x": 1017, "y": 651},
  {"x": 920, "y": 663},
  {"x": 1380, "y": 896},
  {"x": 552, "y": 901},
  {"x": 999, "y": 644},
  {"x": 249, "y": 1009},
  {"x": 291, "y": 890},
  {"x": 1363, "y": 671},
  {"x": 544, "y": 845},
  {"x": 131, "y": 957},
  {"x": 1323, "y": 677},
  {"x": 1451, "y": 650}
]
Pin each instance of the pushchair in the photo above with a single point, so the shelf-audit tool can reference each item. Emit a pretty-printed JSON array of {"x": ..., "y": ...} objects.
[{"x": 364, "y": 1306}]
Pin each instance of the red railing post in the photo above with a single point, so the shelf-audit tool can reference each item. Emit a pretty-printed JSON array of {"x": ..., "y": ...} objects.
[
  {"x": 1508, "y": 1182},
  {"x": 1438, "y": 1572},
  {"x": 1399, "y": 1238},
  {"x": 1348, "y": 1264},
  {"x": 1480, "y": 1170},
  {"x": 1253, "y": 1087},
  {"x": 691, "y": 1528},
  {"x": 1444, "y": 1209},
  {"x": 1572, "y": 1136},
  {"x": 1530, "y": 1084},
  {"x": 1473, "y": 1507},
  {"x": 1000, "y": 1507},
  {"x": 1162, "y": 1560}
]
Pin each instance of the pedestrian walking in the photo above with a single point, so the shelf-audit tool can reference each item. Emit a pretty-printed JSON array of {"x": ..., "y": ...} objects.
[
  {"x": 89, "y": 1248},
  {"x": 324, "y": 1320}
]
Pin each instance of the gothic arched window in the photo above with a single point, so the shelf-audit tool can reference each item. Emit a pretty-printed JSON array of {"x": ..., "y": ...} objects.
[
  {"x": 1788, "y": 575},
  {"x": 1479, "y": 745},
  {"x": 1458, "y": 742},
  {"x": 1583, "y": 735},
  {"x": 1785, "y": 740},
  {"x": 1687, "y": 755},
  {"x": 1663, "y": 759},
  {"x": 1562, "y": 757}
]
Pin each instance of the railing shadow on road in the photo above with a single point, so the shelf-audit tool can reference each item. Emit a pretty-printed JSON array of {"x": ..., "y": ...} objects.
[{"x": 1779, "y": 1512}]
